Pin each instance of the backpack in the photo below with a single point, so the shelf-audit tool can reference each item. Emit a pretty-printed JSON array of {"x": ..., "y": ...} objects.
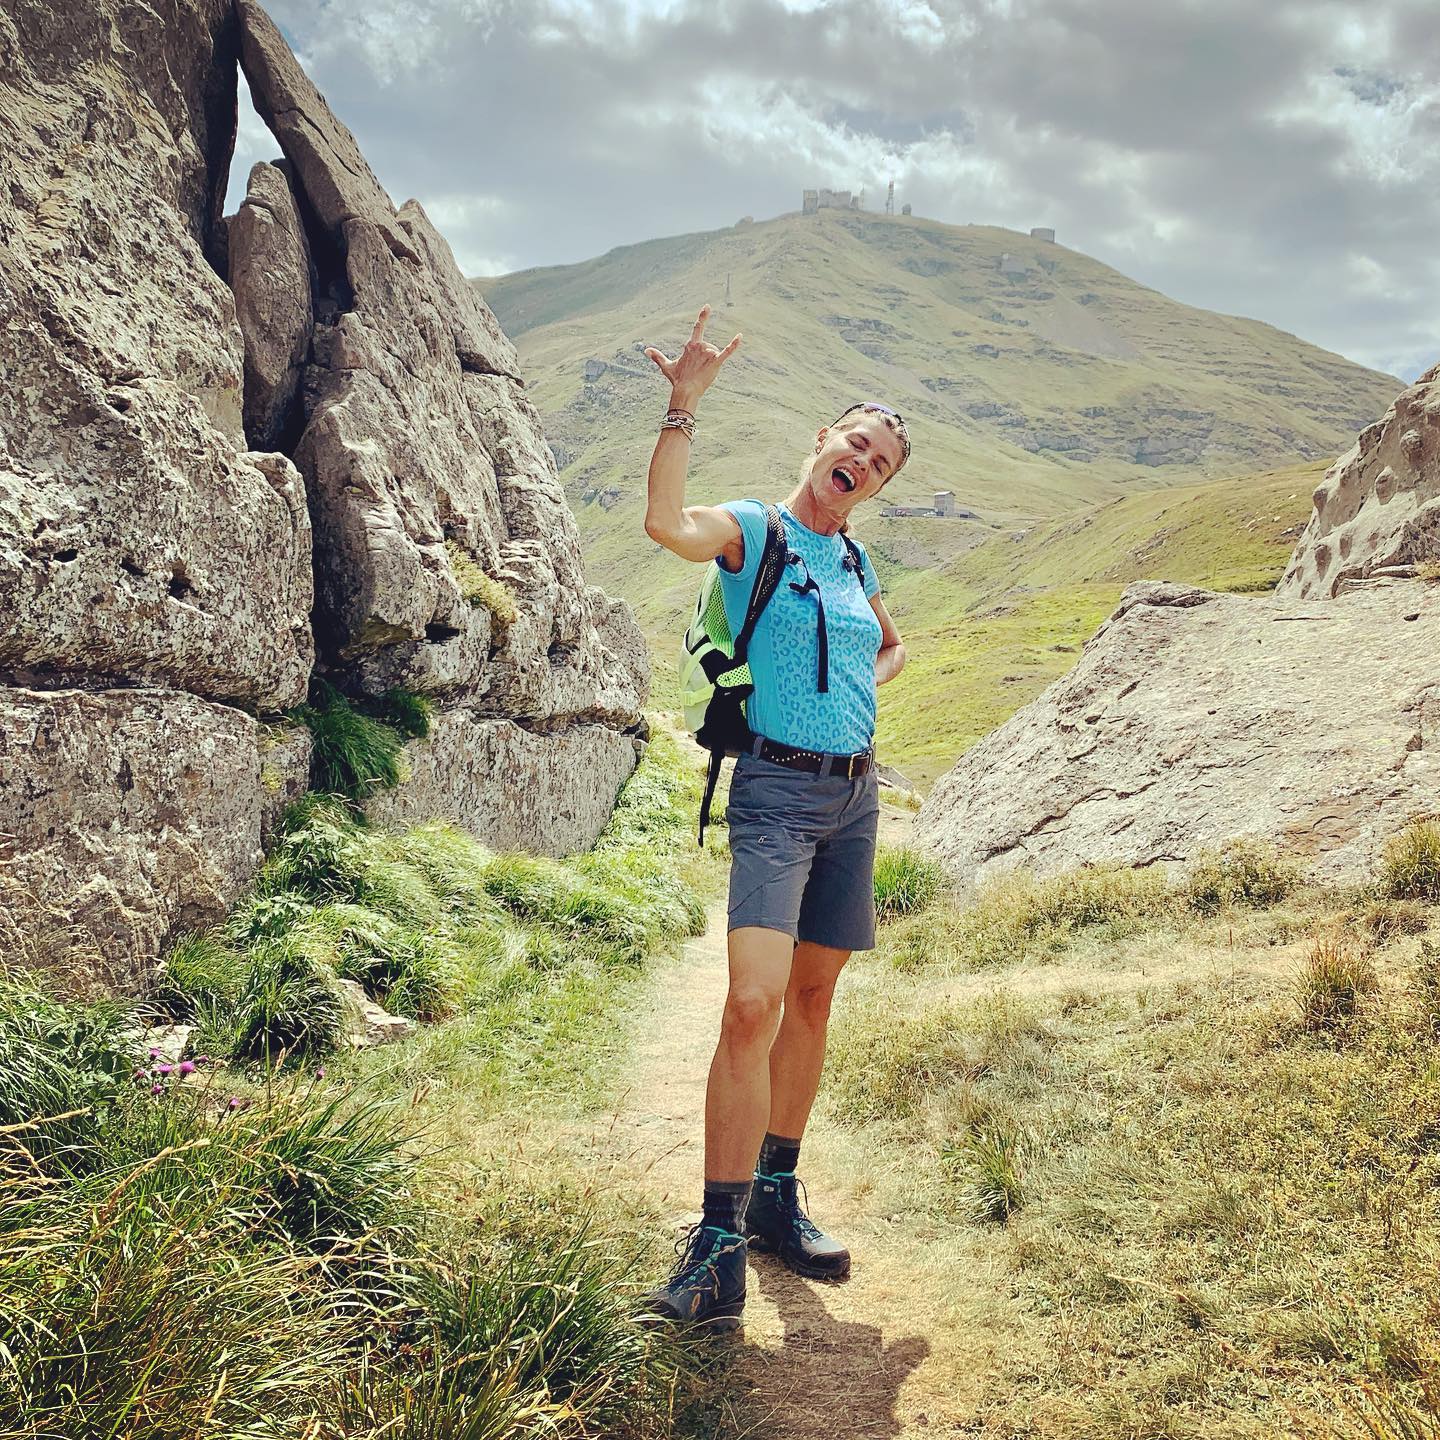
[{"x": 715, "y": 677}]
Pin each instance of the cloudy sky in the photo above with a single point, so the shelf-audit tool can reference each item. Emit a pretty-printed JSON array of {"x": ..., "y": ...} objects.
[{"x": 1279, "y": 160}]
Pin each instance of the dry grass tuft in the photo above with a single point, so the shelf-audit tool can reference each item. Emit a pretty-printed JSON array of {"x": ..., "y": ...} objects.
[
  {"x": 1333, "y": 982},
  {"x": 1410, "y": 869}
]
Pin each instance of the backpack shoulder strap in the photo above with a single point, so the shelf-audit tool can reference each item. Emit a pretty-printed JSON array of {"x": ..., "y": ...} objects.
[
  {"x": 857, "y": 555},
  {"x": 767, "y": 579}
]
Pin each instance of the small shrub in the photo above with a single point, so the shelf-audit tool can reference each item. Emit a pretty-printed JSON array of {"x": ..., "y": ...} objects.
[
  {"x": 1429, "y": 571},
  {"x": 202, "y": 975},
  {"x": 1332, "y": 984},
  {"x": 322, "y": 1170},
  {"x": 1240, "y": 872},
  {"x": 58, "y": 1059},
  {"x": 1386, "y": 920},
  {"x": 410, "y": 713},
  {"x": 289, "y": 1004},
  {"x": 905, "y": 881},
  {"x": 1410, "y": 869},
  {"x": 1425, "y": 985}
]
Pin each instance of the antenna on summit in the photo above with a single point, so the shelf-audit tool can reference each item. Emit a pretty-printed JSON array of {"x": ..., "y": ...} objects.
[{"x": 890, "y": 199}]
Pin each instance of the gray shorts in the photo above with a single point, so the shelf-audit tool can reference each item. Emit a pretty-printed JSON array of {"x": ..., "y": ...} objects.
[{"x": 802, "y": 850}]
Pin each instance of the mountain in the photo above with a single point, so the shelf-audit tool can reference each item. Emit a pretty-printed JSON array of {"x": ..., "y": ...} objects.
[
  {"x": 1031, "y": 389},
  {"x": 1041, "y": 386}
]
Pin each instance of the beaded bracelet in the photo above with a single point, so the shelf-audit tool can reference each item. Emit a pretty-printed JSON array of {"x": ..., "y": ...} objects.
[{"x": 679, "y": 420}]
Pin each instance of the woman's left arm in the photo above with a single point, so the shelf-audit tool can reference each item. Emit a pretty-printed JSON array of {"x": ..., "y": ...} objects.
[{"x": 891, "y": 659}]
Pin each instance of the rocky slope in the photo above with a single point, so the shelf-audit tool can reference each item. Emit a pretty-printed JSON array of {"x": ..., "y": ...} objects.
[
  {"x": 1378, "y": 507},
  {"x": 1308, "y": 717},
  {"x": 236, "y": 451}
]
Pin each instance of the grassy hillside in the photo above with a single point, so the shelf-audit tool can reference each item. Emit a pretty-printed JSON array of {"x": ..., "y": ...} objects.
[
  {"x": 1085, "y": 420},
  {"x": 989, "y": 628},
  {"x": 1028, "y": 394}
]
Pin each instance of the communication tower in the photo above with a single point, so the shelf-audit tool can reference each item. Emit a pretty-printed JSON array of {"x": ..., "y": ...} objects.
[{"x": 890, "y": 199}]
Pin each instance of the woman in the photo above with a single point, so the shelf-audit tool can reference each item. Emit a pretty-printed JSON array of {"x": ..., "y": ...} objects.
[{"x": 802, "y": 813}]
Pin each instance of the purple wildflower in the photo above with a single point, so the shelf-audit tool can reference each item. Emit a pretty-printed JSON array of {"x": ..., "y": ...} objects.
[
  {"x": 234, "y": 1103},
  {"x": 164, "y": 1069},
  {"x": 186, "y": 1067},
  {"x": 320, "y": 1073},
  {"x": 154, "y": 1053},
  {"x": 157, "y": 1089}
]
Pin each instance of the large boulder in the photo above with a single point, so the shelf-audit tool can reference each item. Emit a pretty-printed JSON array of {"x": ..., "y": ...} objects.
[
  {"x": 1193, "y": 718},
  {"x": 430, "y": 482},
  {"x": 158, "y": 569},
  {"x": 513, "y": 789},
  {"x": 1378, "y": 507},
  {"x": 128, "y": 817},
  {"x": 139, "y": 539}
]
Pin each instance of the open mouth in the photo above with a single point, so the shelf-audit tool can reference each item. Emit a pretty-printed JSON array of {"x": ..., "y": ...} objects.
[{"x": 842, "y": 479}]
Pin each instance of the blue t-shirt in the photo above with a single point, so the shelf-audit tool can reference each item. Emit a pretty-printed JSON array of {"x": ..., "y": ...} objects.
[{"x": 784, "y": 651}]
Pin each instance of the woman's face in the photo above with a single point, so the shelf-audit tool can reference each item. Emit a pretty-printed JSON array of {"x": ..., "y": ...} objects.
[{"x": 854, "y": 459}]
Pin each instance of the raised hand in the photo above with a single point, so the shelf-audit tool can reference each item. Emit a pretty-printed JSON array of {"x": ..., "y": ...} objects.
[{"x": 693, "y": 370}]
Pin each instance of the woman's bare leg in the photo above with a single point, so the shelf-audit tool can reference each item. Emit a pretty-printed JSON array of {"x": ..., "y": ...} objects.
[
  {"x": 737, "y": 1098},
  {"x": 798, "y": 1054}
]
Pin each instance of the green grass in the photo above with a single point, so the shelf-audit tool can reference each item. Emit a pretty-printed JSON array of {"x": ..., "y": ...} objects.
[
  {"x": 1020, "y": 916},
  {"x": 905, "y": 881},
  {"x": 330, "y": 1250},
  {"x": 288, "y": 1267},
  {"x": 434, "y": 925},
  {"x": 1410, "y": 869}
]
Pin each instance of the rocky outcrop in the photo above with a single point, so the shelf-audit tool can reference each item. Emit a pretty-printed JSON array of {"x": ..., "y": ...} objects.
[
  {"x": 421, "y": 453},
  {"x": 208, "y": 495},
  {"x": 268, "y": 260},
  {"x": 140, "y": 541},
  {"x": 128, "y": 815},
  {"x": 1192, "y": 718},
  {"x": 1378, "y": 507},
  {"x": 514, "y": 789}
]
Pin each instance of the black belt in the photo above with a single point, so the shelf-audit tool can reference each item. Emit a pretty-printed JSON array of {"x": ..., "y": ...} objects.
[{"x": 816, "y": 761}]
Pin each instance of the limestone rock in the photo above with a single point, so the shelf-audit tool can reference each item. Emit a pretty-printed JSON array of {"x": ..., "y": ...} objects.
[
  {"x": 480, "y": 343},
  {"x": 137, "y": 540},
  {"x": 1192, "y": 718},
  {"x": 367, "y": 1023},
  {"x": 269, "y": 268},
  {"x": 1378, "y": 506},
  {"x": 420, "y": 446},
  {"x": 284, "y": 752},
  {"x": 128, "y": 816},
  {"x": 168, "y": 1041},
  {"x": 513, "y": 789}
]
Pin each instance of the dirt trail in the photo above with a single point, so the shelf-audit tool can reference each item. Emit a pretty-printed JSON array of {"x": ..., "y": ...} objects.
[
  {"x": 910, "y": 1344},
  {"x": 820, "y": 1359},
  {"x": 871, "y": 1357}
]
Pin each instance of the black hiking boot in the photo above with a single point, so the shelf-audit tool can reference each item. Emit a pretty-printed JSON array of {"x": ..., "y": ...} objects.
[
  {"x": 775, "y": 1222},
  {"x": 707, "y": 1287}
]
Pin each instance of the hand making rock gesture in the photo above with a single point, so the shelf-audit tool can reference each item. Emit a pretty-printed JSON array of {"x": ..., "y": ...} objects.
[{"x": 694, "y": 369}]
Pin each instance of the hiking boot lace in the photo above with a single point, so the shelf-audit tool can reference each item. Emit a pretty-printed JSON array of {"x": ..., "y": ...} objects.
[
  {"x": 687, "y": 1248},
  {"x": 789, "y": 1205}
]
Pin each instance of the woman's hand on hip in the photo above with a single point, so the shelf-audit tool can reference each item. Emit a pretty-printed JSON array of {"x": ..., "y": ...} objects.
[{"x": 693, "y": 370}]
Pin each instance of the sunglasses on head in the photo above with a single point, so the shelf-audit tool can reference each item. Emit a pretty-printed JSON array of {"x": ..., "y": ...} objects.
[{"x": 901, "y": 430}]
